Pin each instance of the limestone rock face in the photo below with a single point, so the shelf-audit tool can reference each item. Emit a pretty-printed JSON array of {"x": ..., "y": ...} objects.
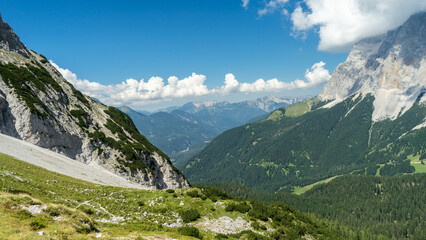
[
  {"x": 39, "y": 106},
  {"x": 391, "y": 67},
  {"x": 10, "y": 41}
]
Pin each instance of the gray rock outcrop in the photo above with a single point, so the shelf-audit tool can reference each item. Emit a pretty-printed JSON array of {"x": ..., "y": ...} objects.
[{"x": 10, "y": 41}]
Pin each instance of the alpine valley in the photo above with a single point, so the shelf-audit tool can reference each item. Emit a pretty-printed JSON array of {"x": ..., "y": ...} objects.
[
  {"x": 181, "y": 132},
  {"x": 346, "y": 164},
  {"x": 77, "y": 169},
  {"x": 369, "y": 119}
]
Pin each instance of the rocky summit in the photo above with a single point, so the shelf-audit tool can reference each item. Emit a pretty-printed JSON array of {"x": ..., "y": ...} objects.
[
  {"x": 391, "y": 67},
  {"x": 39, "y": 106},
  {"x": 10, "y": 41}
]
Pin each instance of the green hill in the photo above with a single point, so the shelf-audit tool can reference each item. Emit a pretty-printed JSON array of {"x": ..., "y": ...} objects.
[{"x": 34, "y": 200}]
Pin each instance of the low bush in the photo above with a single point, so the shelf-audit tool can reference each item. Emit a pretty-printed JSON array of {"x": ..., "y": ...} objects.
[
  {"x": 189, "y": 215},
  {"x": 221, "y": 236},
  {"x": 260, "y": 211},
  {"x": 239, "y": 207},
  {"x": 263, "y": 227},
  {"x": 86, "y": 209},
  {"x": 24, "y": 214},
  {"x": 39, "y": 223},
  {"x": 52, "y": 212},
  {"x": 84, "y": 225},
  {"x": 255, "y": 225},
  {"x": 193, "y": 194},
  {"x": 214, "y": 193}
]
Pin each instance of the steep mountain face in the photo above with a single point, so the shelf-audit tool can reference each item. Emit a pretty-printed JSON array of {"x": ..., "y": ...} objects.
[
  {"x": 10, "y": 41},
  {"x": 390, "y": 67},
  {"x": 183, "y": 131},
  {"x": 39, "y": 106},
  {"x": 369, "y": 119}
]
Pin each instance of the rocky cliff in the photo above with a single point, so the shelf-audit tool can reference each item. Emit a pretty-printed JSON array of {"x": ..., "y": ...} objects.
[
  {"x": 39, "y": 106},
  {"x": 391, "y": 67}
]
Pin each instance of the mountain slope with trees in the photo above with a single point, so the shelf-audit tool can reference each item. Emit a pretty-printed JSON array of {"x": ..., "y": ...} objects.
[
  {"x": 40, "y": 107},
  {"x": 183, "y": 131},
  {"x": 389, "y": 207},
  {"x": 371, "y": 115}
]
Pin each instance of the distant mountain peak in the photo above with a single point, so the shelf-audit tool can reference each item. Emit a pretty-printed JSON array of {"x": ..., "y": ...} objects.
[
  {"x": 204, "y": 104},
  {"x": 10, "y": 41},
  {"x": 125, "y": 107},
  {"x": 129, "y": 111},
  {"x": 391, "y": 67}
]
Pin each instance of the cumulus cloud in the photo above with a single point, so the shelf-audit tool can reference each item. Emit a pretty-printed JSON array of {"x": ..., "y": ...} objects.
[
  {"x": 341, "y": 23},
  {"x": 245, "y": 3},
  {"x": 93, "y": 88},
  {"x": 271, "y": 6},
  {"x": 314, "y": 76},
  {"x": 231, "y": 84},
  {"x": 134, "y": 92}
]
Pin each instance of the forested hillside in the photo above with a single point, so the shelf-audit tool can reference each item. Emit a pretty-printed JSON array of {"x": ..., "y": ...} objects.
[
  {"x": 393, "y": 207},
  {"x": 303, "y": 144}
]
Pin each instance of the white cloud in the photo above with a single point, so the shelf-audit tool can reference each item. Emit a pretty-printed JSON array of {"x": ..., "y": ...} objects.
[
  {"x": 245, "y": 3},
  {"x": 231, "y": 84},
  {"x": 271, "y": 6},
  {"x": 285, "y": 12},
  {"x": 315, "y": 76},
  {"x": 343, "y": 22},
  {"x": 134, "y": 92}
]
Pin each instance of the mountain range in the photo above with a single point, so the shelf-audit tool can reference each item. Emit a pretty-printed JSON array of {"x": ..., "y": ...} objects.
[
  {"x": 370, "y": 118},
  {"x": 87, "y": 172},
  {"x": 182, "y": 131},
  {"x": 111, "y": 171}
]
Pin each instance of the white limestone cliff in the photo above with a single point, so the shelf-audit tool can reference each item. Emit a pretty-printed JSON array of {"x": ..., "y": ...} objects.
[{"x": 391, "y": 67}]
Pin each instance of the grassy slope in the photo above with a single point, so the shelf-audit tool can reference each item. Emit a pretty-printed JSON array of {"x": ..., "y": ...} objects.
[
  {"x": 418, "y": 164},
  {"x": 301, "y": 190},
  {"x": 82, "y": 204},
  {"x": 17, "y": 223}
]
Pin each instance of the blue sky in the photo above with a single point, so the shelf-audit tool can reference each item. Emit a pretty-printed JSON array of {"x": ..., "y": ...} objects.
[{"x": 108, "y": 42}]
